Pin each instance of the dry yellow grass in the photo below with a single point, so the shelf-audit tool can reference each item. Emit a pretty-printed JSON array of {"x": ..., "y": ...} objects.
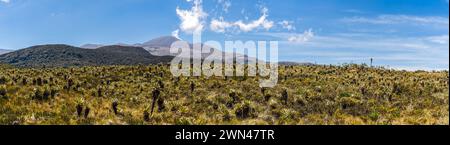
[{"x": 324, "y": 95}]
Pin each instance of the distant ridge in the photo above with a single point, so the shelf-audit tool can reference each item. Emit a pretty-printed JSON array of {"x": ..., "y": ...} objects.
[
  {"x": 91, "y": 46},
  {"x": 290, "y": 63},
  {"x": 164, "y": 41},
  {"x": 154, "y": 51},
  {"x": 59, "y": 55},
  {"x": 3, "y": 51},
  {"x": 161, "y": 47}
]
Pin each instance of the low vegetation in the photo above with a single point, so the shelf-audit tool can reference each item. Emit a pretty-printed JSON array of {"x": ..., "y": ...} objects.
[{"x": 149, "y": 95}]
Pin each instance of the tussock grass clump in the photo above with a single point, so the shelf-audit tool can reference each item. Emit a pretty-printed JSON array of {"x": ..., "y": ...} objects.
[
  {"x": 246, "y": 110},
  {"x": 3, "y": 92},
  {"x": 3, "y": 80}
]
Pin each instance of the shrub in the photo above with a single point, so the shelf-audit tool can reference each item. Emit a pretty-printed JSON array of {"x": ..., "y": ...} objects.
[
  {"x": 46, "y": 94},
  {"x": 114, "y": 106},
  {"x": 54, "y": 91},
  {"x": 234, "y": 99},
  {"x": 263, "y": 90},
  {"x": 39, "y": 81},
  {"x": 40, "y": 94},
  {"x": 192, "y": 87},
  {"x": 79, "y": 106},
  {"x": 24, "y": 81},
  {"x": 161, "y": 105},
  {"x": 155, "y": 95},
  {"x": 348, "y": 102},
  {"x": 79, "y": 109},
  {"x": 267, "y": 97},
  {"x": 87, "y": 110},
  {"x": 161, "y": 84},
  {"x": 3, "y": 80},
  {"x": 245, "y": 110},
  {"x": 146, "y": 116},
  {"x": 3, "y": 92},
  {"x": 233, "y": 95},
  {"x": 374, "y": 116},
  {"x": 69, "y": 85},
  {"x": 99, "y": 92},
  {"x": 284, "y": 97}
]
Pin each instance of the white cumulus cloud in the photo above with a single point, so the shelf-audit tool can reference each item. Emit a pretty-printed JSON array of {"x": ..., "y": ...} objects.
[
  {"x": 193, "y": 20},
  {"x": 305, "y": 37},
  {"x": 219, "y": 25},
  {"x": 261, "y": 22},
  {"x": 288, "y": 25}
]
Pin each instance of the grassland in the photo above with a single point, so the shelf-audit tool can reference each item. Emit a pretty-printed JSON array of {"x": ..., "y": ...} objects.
[{"x": 149, "y": 95}]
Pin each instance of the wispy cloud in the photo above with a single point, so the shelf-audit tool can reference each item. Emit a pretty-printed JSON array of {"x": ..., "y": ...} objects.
[
  {"x": 301, "y": 38},
  {"x": 176, "y": 34},
  {"x": 354, "y": 11},
  {"x": 426, "y": 44},
  {"x": 226, "y": 4},
  {"x": 288, "y": 25},
  {"x": 5, "y": 1},
  {"x": 443, "y": 39},
  {"x": 400, "y": 19},
  {"x": 424, "y": 52}
]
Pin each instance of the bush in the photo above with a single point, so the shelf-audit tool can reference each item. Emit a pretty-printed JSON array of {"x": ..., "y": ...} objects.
[
  {"x": 87, "y": 110},
  {"x": 245, "y": 110},
  {"x": 348, "y": 102},
  {"x": 284, "y": 97},
  {"x": 54, "y": 91},
  {"x": 3, "y": 92},
  {"x": 80, "y": 104},
  {"x": 37, "y": 94},
  {"x": 114, "y": 106},
  {"x": 3, "y": 80},
  {"x": 146, "y": 116},
  {"x": 46, "y": 94},
  {"x": 41, "y": 94},
  {"x": 161, "y": 105},
  {"x": 79, "y": 109}
]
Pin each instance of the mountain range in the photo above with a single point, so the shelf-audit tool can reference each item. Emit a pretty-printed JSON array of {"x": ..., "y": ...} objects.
[
  {"x": 155, "y": 51},
  {"x": 161, "y": 47}
]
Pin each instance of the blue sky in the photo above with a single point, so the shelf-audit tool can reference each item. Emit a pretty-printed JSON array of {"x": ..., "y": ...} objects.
[{"x": 405, "y": 34}]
